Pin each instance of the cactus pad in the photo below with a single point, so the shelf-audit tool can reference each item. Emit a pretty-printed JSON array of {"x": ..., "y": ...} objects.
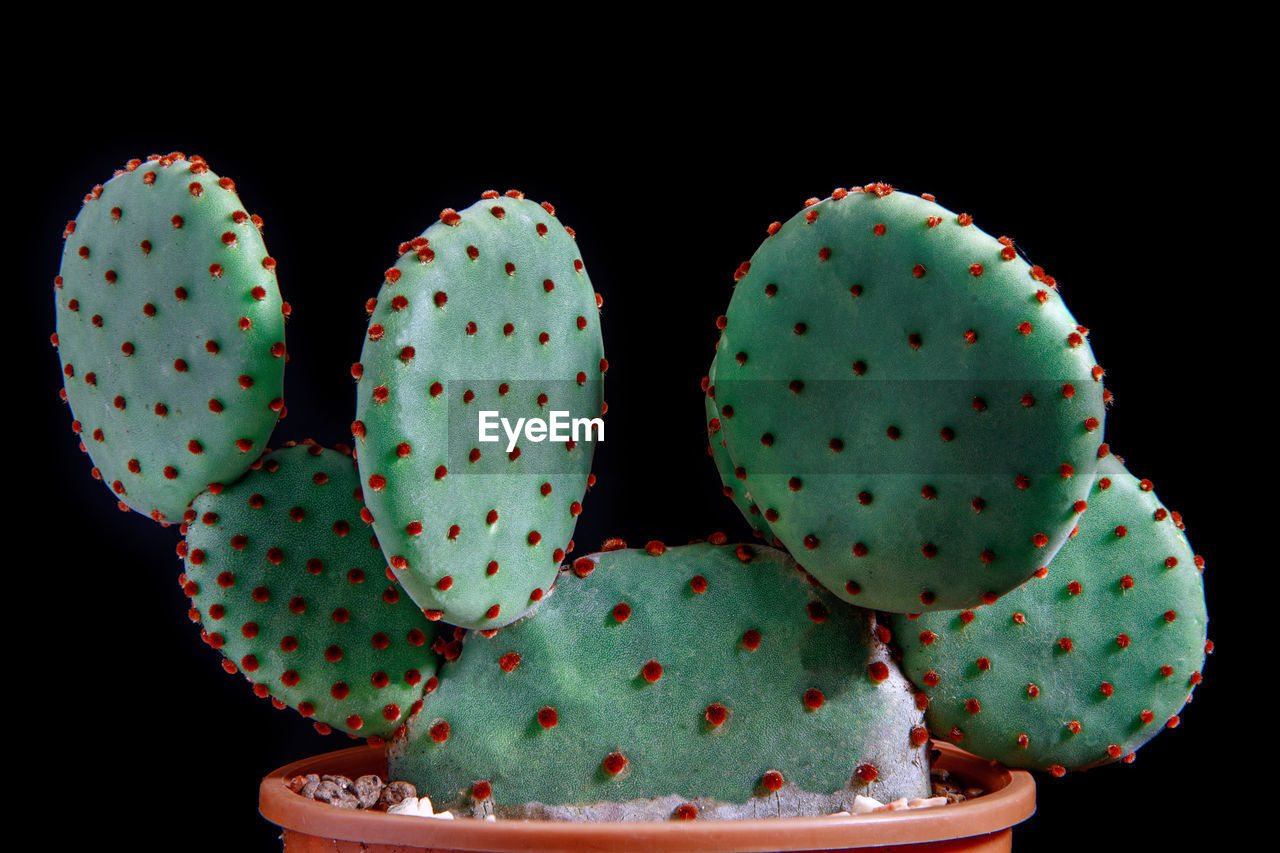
[
  {"x": 290, "y": 587},
  {"x": 734, "y": 489},
  {"x": 1087, "y": 661},
  {"x": 706, "y": 680},
  {"x": 907, "y": 400},
  {"x": 489, "y": 309},
  {"x": 170, "y": 329}
]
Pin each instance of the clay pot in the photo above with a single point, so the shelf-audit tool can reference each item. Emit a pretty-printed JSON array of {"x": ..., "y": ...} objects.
[{"x": 982, "y": 824}]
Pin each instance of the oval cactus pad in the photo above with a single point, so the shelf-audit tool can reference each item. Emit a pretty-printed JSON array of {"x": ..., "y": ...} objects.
[
  {"x": 170, "y": 329},
  {"x": 489, "y": 310},
  {"x": 287, "y": 582},
  {"x": 708, "y": 680},
  {"x": 907, "y": 401},
  {"x": 1085, "y": 662}
]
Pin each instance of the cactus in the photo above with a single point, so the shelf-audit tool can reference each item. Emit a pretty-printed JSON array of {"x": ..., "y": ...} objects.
[
  {"x": 733, "y": 490},
  {"x": 898, "y": 398},
  {"x": 1085, "y": 662},
  {"x": 489, "y": 309},
  {"x": 649, "y": 681},
  {"x": 289, "y": 586},
  {"x": 170, "y": 329},
  {"x": 908, "y": 400}
]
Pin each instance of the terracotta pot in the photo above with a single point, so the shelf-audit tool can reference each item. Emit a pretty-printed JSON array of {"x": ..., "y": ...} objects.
[{"x": 982, "y": 824}]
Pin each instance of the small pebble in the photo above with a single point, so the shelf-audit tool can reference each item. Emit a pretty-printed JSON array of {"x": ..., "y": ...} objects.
[
  {"x": 367, "y": 792},
  {"x": 396, "y": 792},
  {"x": 897, "y": 805},
  {"x": 865, "y": 805},
  {"x": 328, "y": 791},
  {"x": 418, "y": 807},
  {"x": 368, "y": 789},
  {"x": 869, "y": 805},
  {"x": 370, "y": 792},
  {"x": 952, "y": 793},
  {"x": 409, "y": 806},
  {"x": 919, "y": 803}
]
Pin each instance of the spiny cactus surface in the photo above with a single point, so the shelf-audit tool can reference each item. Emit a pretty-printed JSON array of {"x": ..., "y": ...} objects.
[
  {"x": 490, "y": 309},
  {"x": 170, "y": 330},
  {"x": 715, "y": 681},
  {"x": 288, "y": 584},
  {"x": 907, "y": 400},
  {"x": 734, "y": 489},
  {"x": 1085, "y": 662}
]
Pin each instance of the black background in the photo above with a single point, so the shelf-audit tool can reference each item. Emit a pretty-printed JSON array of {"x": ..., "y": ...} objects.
[{"x": 1127, "y": 192}]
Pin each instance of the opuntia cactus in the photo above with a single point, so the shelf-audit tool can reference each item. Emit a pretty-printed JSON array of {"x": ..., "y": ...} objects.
[
  {"x": 907, "y": 400},
  {"x": 289, "y": 585},
  {"x": 898, "y": 398},
  {"x": 489, "y": 309},
  {"x": 170, "y": 329},
  {"x": 1085, "y": 662},
  {"x": 650, "y": 681}
]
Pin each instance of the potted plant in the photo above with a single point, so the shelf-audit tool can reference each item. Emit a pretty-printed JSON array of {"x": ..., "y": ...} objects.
[{"x": 311, "y": 806}]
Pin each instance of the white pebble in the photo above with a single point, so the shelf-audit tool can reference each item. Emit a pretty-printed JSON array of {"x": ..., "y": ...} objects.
[
  {"x": 418, "y": 807},
  {"x": 865, "y": 805},
  {"x": 897, "y": 805},
  {"x": 409, "y": 806},
  {"x": 926, "y": 803}
]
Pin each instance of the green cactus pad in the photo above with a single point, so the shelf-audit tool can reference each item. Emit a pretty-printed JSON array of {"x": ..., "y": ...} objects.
[
  {"x": 1087, "y": 661},
  {"x": 290, "y": 587},
  {"x": 648, "y": 681},
  {"x": 170, "y": 329},
  {"x": 907, "y": 400},
  {"x": 489, "y": 309},
  {"x": 734, "y": 489}
]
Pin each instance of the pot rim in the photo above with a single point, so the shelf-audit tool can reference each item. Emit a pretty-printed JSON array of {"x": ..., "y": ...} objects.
[{"x": 1011, "y": 800}]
